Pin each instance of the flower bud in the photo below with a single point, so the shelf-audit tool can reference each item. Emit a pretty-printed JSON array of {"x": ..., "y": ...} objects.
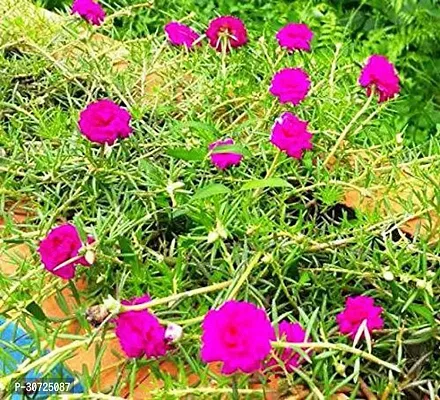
[
  {"x": 173, "y": 333},
  {"x": 388, "y": 276},
  {"x": 340, "y": 368},
  {"x": 212, "y": 236},
  {"x": 221, "y": 230},
  {"x": 267, "y": 259},
  {"x": 218, "y": 232},
  {"x": 96, "y": 315},
  {"x": 173, "y": 186},
  {"x": 112, "y": 305},
  {"x": 90, "y": 256},
  {"x": 421, "y": 284}
]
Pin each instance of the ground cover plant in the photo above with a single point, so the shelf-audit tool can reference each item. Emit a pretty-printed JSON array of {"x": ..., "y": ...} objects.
[{"x": 193, "y": 188}]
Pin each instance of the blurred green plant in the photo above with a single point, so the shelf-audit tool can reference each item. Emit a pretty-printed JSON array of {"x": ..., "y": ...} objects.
[{"x": 407, "y": 32}]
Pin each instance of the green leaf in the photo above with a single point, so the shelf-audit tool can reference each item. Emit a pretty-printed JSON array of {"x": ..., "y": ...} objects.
[
  {"x": 307, "y": 161},
  {"x": 34, "y": 309},
  {"x": 203, "y": 130},
  {"x": 129, "y": 255},
  {"x": 292, "y": 270},
  {"x": 187, "y": 155},
  {"x": 422, "y": 311},
  {"x": 232, "y": 148},
  {"x": 304, "y": 278},
  {"x": 227, "y": 148},
  {"x": 210, "y": 190},
  {"x": 325, "y": 354},
  {"x": 410, "y": 300},
  {"x": 62, "y": 303},
  {"x": 264, "y": 183},
  {"x": 395, "y": 290}
]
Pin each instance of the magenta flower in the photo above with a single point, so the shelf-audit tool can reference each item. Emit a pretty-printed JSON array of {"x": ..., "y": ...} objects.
[
  {"x": 359, "y": 309},
  {"x": 89, "y": 10},
  {"x": 295, "y": 37},
  {"x": 239, "y": 334},
  {"x": 224, "y": 160},
  {"x": 180, "y": 34},
  {"x": 139, "y": 332},
  {"x": 290, "y": 333},
  {"x": 226, "y": 29},
  {"x": 290, "y": 135},
  {"x": 61, "y": 244},
  {"x": 104, "y": 121},
  {"x": 290, "y": 85},
  {"x": 379, "y": 75}
]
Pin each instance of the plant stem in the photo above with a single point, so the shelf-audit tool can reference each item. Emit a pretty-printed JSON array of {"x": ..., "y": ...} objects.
[
  {"x": 245, "y": 275},
  {"x": 190, "y": 321},
  {"x": 208, "y": 390},
  {"x": 94, "y": 396},
  {"x": 46, "y": 359},
  {"x": 67, "y": 262},
  {"x": 175, "y": 297},
  {"x": 338, "y": 48},
  {"x": 347, "y": 128},
  {"x": 337, "y": 346},
  {"x": 269, "y": 173}
]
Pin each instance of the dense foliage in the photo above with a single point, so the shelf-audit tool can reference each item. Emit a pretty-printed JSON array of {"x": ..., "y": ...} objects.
[{"x": 167, "y": 221}]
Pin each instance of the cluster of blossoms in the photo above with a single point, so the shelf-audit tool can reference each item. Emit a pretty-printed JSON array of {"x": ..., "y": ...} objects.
[
  {"x": 290, "y": 85},
  {"x": 104, "y": 121},
  {"x": 238, "y": 334},
  {"x": 223, "y": 33}
]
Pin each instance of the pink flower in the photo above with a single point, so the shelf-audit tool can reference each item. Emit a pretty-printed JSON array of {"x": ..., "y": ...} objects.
[
  {"x": 224, "y": 160},
  {"x": 226, "y": 29},
  {"x": 358, "y": 309},
  {"x": 60, "y": 245},
  {"x": 379, "y": 75},
  {"x": 104, "y": 121},
  {"x": 89, "y": 10},
  {"x": 295, "y": 37},
  {"x": 290, "y": 333},
  {"x": 181, "y": 35},
  {"x": 139, "y": 332},
  {"x": 239, "y": 335},
  {"x": 290, "y": 135},
  {"x": 290, "y": 85}
]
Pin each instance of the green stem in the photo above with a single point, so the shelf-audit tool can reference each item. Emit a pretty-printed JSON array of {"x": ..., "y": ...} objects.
[
  {"x": 208, "y": 390},
  {"x": 45, "y": 360},
  {"x": 336, "y": 346},
  {"x": 347, "y": 128},
  {"x": 190, "y": 321},
  {"x": 338, "y": 48},
  {"x": 176, "y": 297},
  {"x": 269, "y": 173},
  {"x": 244, "y": 276}
]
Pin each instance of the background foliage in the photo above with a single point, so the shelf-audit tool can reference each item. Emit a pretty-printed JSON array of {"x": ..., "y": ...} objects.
[{"x": 316, "y": 252}]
